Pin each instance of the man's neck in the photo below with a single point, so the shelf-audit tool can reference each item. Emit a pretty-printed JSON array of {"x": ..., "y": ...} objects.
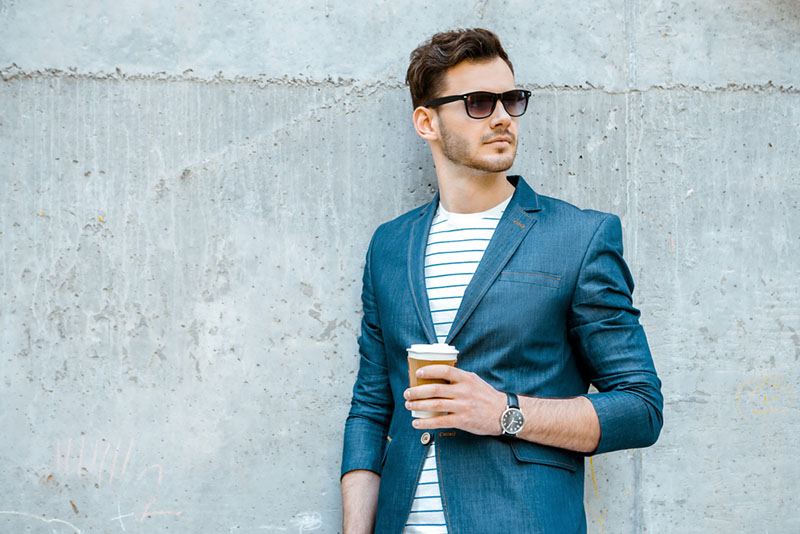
[{"x": 474, "y": 193}]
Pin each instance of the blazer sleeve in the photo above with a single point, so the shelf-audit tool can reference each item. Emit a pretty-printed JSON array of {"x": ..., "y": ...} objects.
[
  {"x": 371, "y": 408},
  {"x": 605, "y": 331}
]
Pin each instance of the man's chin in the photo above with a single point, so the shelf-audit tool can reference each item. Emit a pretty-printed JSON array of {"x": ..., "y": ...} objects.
[{"x": 497, "y": 164}]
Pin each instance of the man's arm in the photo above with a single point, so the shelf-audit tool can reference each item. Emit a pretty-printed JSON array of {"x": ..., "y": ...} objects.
[
  {"x": 365, "y": 434},
  {"x": 612, "y": 347},
  {"x": 565, "y": 423},
  {"x": 359, "y": 501},
  {"x": 475, "y": 406}
]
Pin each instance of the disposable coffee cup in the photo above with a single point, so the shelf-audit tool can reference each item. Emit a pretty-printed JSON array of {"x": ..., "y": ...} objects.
[{"x": 422, "y": 355}]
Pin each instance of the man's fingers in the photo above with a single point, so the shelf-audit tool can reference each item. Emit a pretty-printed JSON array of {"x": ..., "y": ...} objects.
[
  {"x": 428, "y": 391},
  {"x": 439, "y": 421},
  {"x": 431, "y": 405},
  {"x": 446, "y": 372}
]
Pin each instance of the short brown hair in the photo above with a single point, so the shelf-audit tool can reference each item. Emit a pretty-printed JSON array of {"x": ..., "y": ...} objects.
[{"x": 444, "y": 50}]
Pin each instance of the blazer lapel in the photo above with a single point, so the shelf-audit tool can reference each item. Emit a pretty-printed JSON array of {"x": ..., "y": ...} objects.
[
  {"x": 416, "y": 266},
  {"x": 518, "y": 219}
]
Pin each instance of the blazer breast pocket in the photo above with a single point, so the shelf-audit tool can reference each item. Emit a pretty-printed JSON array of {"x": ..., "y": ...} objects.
[{"x": 531, "y": 277}]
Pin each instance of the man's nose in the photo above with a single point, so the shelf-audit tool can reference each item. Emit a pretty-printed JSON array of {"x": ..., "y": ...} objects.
[{"x": 500, "y": 115}]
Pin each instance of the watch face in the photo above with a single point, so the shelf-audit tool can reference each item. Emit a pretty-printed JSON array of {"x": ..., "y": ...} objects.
[{"x": 512, "y": 421}]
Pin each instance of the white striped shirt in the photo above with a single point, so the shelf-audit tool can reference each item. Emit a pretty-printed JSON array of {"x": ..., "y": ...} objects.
[
  {"x": 427, "y": 511},
  {"x": 456, "y": 244}
]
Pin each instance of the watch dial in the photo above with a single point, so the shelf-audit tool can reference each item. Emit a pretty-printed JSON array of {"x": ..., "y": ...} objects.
[{"x": 512, "y": 421}]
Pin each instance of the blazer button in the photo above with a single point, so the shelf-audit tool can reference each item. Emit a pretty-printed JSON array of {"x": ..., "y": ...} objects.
[{"x": 425, "y": 438}]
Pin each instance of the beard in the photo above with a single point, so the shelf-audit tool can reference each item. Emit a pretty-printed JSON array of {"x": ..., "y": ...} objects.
[{"x": 456, "y": 149}]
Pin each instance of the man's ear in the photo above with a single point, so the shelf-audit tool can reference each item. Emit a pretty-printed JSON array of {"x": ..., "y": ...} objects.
[{"x": 424, "y": 123}]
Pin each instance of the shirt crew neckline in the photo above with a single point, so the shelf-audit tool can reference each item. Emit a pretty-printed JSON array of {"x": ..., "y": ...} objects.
[{"x": 497, "y": 210}]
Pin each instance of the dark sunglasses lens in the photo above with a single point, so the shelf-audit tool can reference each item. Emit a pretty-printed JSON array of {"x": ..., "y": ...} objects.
[
  {"x": 480, "y": 105},
  {"x": 515, "y": 102}
]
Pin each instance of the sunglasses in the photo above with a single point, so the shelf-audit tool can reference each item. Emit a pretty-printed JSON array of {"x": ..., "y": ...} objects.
[{"x": 481, "y": 104}]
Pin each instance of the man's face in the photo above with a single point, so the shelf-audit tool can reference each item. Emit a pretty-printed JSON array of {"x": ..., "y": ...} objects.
[{"x": 485, "y": 145}]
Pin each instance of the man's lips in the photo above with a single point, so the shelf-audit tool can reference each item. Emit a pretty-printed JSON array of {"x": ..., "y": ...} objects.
[{"x": 501, "y": 139}]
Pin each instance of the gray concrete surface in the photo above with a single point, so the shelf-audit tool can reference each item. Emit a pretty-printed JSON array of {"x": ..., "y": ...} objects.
[{"x": 187, "y": 191}]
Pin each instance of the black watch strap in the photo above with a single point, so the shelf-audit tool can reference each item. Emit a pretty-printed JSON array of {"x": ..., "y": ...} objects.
[{"x": 513, "y": 401}]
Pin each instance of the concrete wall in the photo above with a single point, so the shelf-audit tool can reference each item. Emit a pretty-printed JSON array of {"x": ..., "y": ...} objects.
[{"x": 187, "y": 191}]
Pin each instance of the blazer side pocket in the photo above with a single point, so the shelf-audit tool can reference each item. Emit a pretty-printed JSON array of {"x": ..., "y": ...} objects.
[
  {"x": 539, "y": 454},
  {"x": 531, "y": 277}
]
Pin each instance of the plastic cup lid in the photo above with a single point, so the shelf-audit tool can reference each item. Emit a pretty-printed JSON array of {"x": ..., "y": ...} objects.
[{"x": 435, "y": 349}]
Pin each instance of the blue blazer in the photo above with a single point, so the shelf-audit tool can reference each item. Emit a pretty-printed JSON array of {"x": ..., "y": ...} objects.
[{"x": 548, "y": 312}]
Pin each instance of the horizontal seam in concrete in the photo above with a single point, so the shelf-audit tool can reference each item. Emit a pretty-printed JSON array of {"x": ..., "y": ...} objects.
[
  {"x": 729, "y": 88},
  {"x": 12, "y": 73}
]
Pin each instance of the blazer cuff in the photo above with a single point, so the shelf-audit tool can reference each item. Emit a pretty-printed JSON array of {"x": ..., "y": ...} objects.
[
  {"x": 364, "y": 445},
  {"x": 625, "y": 421}
]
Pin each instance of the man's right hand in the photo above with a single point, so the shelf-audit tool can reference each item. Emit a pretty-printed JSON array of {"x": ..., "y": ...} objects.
[{"x": 359, "y": 501}]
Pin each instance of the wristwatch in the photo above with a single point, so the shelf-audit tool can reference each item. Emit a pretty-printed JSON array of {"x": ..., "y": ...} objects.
[{"x": 512, "y": 419}]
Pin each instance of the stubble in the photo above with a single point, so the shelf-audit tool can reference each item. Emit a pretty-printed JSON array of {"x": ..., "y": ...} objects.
[{"x": 456, "y": 149}]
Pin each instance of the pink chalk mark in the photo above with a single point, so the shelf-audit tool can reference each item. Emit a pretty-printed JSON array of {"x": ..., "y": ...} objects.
[
  {"x": 102, "y": 462},
  {"x": 114, "y": 465},
  {"x": 127, "y": 457},
  {"x": 148, "y": 513},
  {"x": 80, "y": 459},
  {"x": 69, "y": 451},
  {"x": 94, "y": 456},
  {"x": 154, "y": 466}
]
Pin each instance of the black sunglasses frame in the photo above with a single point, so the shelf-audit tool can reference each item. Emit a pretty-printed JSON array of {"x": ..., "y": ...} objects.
[{"x": 497, "y": 96}]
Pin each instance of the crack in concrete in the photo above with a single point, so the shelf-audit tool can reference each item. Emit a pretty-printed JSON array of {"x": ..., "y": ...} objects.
[
  {"x": 631, "y": 17},
  {"x": 268, "y": 136},
  {"x": 13, "y": 73}
]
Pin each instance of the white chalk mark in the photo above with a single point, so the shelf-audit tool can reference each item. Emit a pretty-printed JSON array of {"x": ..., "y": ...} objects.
[
  {"x": 58, "y": 456},
  {"x": 271, "y": 527},
  {"x": 307, "y": 521},
  {"x": 31, "y": 516},
  {"x": 120, "y": 517}
]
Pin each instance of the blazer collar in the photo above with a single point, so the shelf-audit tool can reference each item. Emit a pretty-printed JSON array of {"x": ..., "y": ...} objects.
[
  {"x": 416, "y": 266},
  {"x": 519, "y": 217},
  {"x": 524, "y": 197}
]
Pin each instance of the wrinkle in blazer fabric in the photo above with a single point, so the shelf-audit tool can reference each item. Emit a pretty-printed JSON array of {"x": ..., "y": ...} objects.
[{"x": 547, "y": 313}]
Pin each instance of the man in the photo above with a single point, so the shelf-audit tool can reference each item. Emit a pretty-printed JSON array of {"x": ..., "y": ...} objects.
[{"x": 535, "y": 296}]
